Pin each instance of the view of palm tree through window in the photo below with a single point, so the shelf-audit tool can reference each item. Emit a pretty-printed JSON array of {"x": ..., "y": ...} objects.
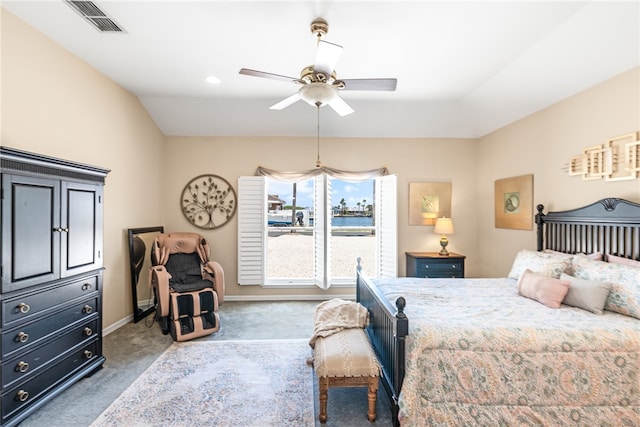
[{"x": 291, "y": 219}]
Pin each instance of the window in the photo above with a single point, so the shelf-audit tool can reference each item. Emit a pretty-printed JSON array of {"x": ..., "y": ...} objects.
[{"x": 316, "y": 237}]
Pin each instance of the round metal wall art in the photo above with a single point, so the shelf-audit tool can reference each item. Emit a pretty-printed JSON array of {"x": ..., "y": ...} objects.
[{"x": 208, "y": 201}]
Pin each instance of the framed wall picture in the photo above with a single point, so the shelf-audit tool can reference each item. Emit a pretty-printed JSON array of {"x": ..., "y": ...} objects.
[
  {"x": 514, "y": 202},
  {"x": 428, "y": 201}
]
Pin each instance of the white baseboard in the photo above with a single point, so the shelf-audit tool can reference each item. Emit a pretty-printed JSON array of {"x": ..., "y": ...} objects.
[
  {"x": 285, "y": 298},
  {"x": 241, "y": 298},
  {"x": 120, "y": 323}
]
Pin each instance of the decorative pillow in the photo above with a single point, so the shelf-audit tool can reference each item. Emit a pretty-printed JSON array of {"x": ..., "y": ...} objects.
[
  {"x": 547, "y": 290},
  {"x": 586, "y": 294},
  {"x": 624, "y": 297},
  {"x": 594, "y": 255},
  {"x": 621, "y": 260},
  {"x": 539, "y": 262}
]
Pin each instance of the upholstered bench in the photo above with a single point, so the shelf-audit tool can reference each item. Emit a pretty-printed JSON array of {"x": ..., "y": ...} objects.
[{"x": 346, "y": 359}]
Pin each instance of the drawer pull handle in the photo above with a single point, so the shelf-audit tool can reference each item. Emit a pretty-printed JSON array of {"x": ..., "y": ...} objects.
[
  {"x": 22, "y": 337},
  {"x": 88, "y": 354},
  {"x": 86, "y": 287},
  {"x": 24, "y": 308},
  {"x": 87, "y": 309},
  {"x": 22, "y": 366},
  {"x": 453, "y": 266},
  {"x": 88, "y": 331},
  {"x": 426, "y": 266},
  {"x": 22, "y": 395}
]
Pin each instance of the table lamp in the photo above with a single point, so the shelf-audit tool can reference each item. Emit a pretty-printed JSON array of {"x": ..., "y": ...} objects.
[{"x": 443, "y": 226}]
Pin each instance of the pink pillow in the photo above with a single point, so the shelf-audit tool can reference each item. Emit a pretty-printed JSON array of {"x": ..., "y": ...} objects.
[
  {"x": 613, "y": 259},
  {"x": 595, "y": 256},
  {"x": 544, "y": 289}
]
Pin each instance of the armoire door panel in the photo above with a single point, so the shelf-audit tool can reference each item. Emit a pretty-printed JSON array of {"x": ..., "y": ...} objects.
[
  {"x": 81, "y": 218},
  {"x": 31, "y": 212}
]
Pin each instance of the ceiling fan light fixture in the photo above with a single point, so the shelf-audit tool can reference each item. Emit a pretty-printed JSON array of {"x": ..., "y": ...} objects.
[{"x": 314, "y": 93}]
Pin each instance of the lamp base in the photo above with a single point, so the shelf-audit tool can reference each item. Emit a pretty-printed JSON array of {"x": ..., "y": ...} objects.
[{"x": 444, "y": 242}]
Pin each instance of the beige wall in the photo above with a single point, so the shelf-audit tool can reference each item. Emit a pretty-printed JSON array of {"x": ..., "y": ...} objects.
[
  {"x": 542, "y": 144},
  {"x": 55, "y": 104},
  {"x": 412, "y": 160}
]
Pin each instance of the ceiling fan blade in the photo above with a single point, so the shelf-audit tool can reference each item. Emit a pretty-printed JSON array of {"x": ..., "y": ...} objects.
[
  {"x": 370, "y": 84},
  {"x": 340, "y": 106},
  {"x": 286, "y": 102},
  {"x": 254, "y": 73},
  {"x": 327, "y": 57}
]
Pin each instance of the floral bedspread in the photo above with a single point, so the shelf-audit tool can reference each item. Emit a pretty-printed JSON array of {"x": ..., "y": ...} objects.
[{"x": 479, "y": 354}]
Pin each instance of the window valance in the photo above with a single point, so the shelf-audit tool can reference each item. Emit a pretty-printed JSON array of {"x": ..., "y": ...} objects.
[{"x": 335, "y": 173}]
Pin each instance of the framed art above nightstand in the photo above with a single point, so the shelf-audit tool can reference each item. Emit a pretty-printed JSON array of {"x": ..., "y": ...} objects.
[{"x": 432, "y": 264}]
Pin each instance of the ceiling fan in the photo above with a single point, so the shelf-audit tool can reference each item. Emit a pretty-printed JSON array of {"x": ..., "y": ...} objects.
[{"x": 319, "y": 84}]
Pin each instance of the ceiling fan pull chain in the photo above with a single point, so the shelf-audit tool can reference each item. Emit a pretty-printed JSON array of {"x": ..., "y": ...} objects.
[{"x": 318, "y": 104}]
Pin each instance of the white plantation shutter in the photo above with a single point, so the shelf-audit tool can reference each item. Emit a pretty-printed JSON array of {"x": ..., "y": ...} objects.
[
  {"x": 328, "y": 212},
  {"x": 252, "y": 243},
  {"x": 322, "y": 231},
  {"x": 387, "y": 226}
]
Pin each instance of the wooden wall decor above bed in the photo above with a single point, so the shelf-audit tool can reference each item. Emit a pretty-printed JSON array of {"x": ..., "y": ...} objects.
[{"x": 617, "y": 159}]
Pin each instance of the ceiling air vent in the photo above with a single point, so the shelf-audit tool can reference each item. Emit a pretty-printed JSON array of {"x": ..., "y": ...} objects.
[{"x": 96, "y": 17}]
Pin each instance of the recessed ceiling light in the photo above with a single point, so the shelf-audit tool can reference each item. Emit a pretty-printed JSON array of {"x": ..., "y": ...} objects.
[{"x": 213, "y": 80}]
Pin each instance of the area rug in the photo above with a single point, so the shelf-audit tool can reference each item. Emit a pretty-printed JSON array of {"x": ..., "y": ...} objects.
[{"x": 220, "y": 383}]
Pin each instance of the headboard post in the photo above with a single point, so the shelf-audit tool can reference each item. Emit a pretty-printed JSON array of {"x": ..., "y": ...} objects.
[{"x": 540, "y": 226}]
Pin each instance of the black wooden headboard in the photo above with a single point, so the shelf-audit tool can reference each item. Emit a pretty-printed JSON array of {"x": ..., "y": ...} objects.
[{"x": 609, "y": 226}]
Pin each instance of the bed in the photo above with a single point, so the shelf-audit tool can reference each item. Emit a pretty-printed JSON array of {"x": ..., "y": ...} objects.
[{"x": 479, "y": 352}]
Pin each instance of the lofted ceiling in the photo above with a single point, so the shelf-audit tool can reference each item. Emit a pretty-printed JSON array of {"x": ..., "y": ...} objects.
[{"x": 464, "y": 69}]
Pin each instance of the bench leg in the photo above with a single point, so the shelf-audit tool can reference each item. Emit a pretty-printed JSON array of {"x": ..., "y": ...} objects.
[
  {"x": 323, "y": 392},
  {"x": 372, "y": 395}
]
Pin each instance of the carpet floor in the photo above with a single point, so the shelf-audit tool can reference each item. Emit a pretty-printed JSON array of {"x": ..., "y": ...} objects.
[
  {"x": 200, "y": 383},
  {"x": 131, "y": 349}
]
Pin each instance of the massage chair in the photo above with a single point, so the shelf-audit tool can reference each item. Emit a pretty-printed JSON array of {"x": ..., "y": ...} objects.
[{"x": 188, "y": 286}]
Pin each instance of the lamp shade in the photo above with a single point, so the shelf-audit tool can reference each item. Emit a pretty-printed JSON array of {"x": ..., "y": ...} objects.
[{"x": 443, "y": 226}]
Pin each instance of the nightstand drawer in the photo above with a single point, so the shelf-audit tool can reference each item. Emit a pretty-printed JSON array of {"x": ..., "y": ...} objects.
[
  {"x": 438, "y": 265},
  {"x": 431, "y": 264},
  {"x": 425, "y": 268}
]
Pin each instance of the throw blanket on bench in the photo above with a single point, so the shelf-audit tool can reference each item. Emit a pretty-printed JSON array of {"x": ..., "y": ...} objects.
[{"x": 337, "y": 315}]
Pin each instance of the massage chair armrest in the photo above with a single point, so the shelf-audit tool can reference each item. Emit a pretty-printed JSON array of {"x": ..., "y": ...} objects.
[
  {"x": 215, "y": 273},
  {"x": 159, "y": 279}
]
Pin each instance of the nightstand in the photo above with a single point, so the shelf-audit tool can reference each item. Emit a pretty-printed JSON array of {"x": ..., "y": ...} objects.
[{"x": 432, "y": 264}]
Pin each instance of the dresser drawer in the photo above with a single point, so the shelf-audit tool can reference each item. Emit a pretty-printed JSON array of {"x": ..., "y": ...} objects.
[
  {"x": 36, "y": 304},
  {"x": 32, "y": 362},
  {"x": 28, "y": 335},
  {"x": 24, "y": 395}
]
